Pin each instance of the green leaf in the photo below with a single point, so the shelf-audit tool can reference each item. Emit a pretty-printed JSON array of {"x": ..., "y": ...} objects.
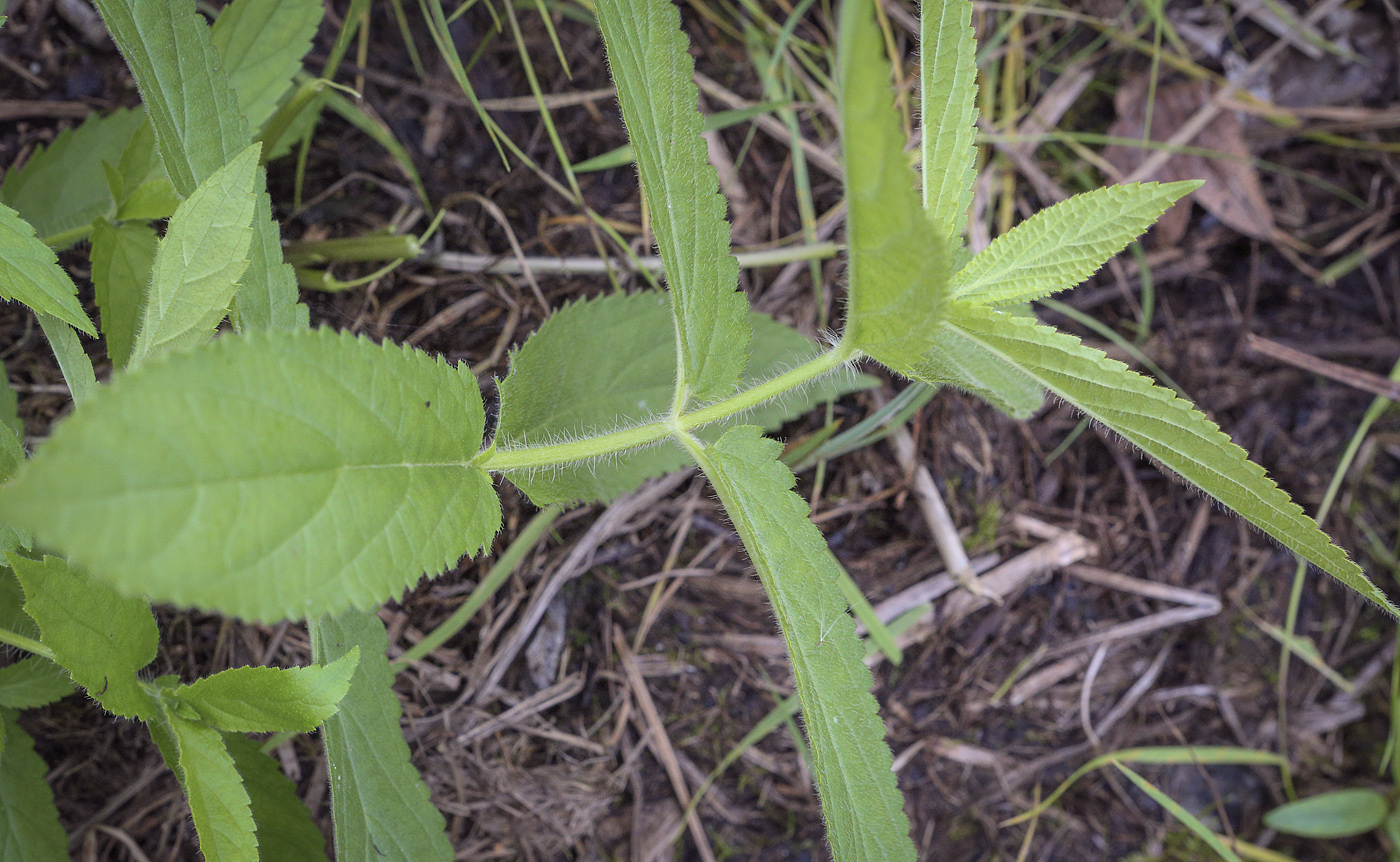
[
  {"x": 1339, "y": 814},
  {"x": 653, "y": 70},
  {"x": 198, "y": 262},
  {"x": 285, "y": 830},
  {"x": 101, "y": 638},
  {"x": 959, "y": 361},
  {"x": 262, "y": 43},
  {"x": 199, "y": 129},
  {"x": 269, "y": 699},
  {"x": 29, "y": 273},
  {"x": 1059, "y": 247},
  {"x": 379, "y": 804},
  {"x": 139, "y": 184},
  {"x": 1159, "y": 423},
  {"x": 219, "y": 805},
  {"x": 9, "y": 417},
  {"x": 121, "y": 270},
  {"x": 33, "y": 682},
  {"x": 569, "y": 379},
  {"x": 29, "y": 827},
  {"x": 948, "y": 108},
  {"x": 853, "y": 767},
  {"x": 269, "y": 475},
  {"x": 899, "y": 263},
  {"x": 60, "y": 190}
]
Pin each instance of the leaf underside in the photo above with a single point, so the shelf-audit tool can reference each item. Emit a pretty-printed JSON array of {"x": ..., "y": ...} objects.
[
  {"x": 948, "y": 108},
  {"x": 1165, "y": 427},
  {"x": 653, "y": 73},
  {"x": 851, "y": 761},
  {"x": 268, "y": 476},
  {"x": 570, "y": 380}
]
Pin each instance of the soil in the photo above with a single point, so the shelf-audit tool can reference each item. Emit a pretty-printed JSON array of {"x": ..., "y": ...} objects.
[{"x": 989, "y": 709}]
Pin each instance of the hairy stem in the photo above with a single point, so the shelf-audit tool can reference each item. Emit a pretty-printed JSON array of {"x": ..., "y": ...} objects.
[
  {"x": 528, "y": 457},
  {"x": 15, "y": 639}
]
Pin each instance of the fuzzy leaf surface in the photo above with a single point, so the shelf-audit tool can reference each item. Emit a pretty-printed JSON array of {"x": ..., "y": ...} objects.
[
  {"x": 61, "y": 189},
  {"x": 199, "y": 260},
  {"x": 270, "y": 475},
  {"x": 379, "y": 803},
  {"x": 33, "y": 682},
  {"x": 262, "y": 43},
  {"x": 653, "y": 71},
  {"x": 122, "y": 255},
  {"x": 1059, "y": 247},
  {"x": 199, "y": 129},
  {"x": 569, "y": 379},
  {"x": 1167, "y": 428},
  {"x": 948, "y": 108},
  {"x": 29, "y": 273},
  {"x": 284, "y": 828},
  {"x": 899, "y": 263},
  {"x": 29, "y": 827},
  {"x": 99, "y": 636},
  {"x": 219, "y": 805},
  {"x": 138, "y": 183},
  {"x": 269, "y": 699},
  {"x": 861, "y": 804}
]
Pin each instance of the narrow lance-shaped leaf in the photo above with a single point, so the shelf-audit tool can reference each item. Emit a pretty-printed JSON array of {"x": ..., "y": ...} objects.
[
  {"x": 29, "y": 827},
  {"x": 854, "y": 769},
  {"x": 1159, "y": 423},
  {"x": 199, "y": 260},
  {"x": 122, "y": 255},
  {"x": 29, "y": 273},
  {"x": 269, "y": 699},
  {"x": 899, "y": 263},
  {"x": 101, "y": 638},
  {"x": 262, "y": 44},
  {"x": 569, "y": 380},
  {"x": 948, "y": 109},
  {"x": 219, "y": 805},
  {"x": 1059, "y": 247},
  {"x": 284, "y": 828},
  {"x": 268, "y": 476},
  {"x": 653, "y": 73},
  {"x": 379, "y": 804}
]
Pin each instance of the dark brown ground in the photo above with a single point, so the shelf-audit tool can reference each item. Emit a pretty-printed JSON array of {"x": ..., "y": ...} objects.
[{"x": 577, "y": 779}]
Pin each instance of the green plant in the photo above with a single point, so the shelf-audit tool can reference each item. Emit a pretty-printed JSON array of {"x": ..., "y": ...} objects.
[{"x": 281, "y": 473}]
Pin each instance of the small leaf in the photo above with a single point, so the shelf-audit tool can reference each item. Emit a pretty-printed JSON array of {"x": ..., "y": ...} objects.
[
  {"x": 101, "y": 638},
  {"x": 142, "y": 190},
  {"x": 61, "y": 190},
  {"x": 269, "y": 699},
  {"x": 285, "y": 831},
  {"x": 853, "y": 767},
  {"x": 899, "y": 262},
  {"x": 1159, "y": 423},
  {"x": 379, "y": 804},
  {"x": 219, "y": 805},
  {"x": 262, "y": 43},
  {"x": 29, "y": 273},
  {"x": 270, "y": 475},
  {"x": 959, "y": 361},
  {"x": 653, "y": 70},
  {"x": 198, "y": 262},
  {"x": 29, "y": 827},
  {"x": 121, "y": 270},
  {"x": 569, "y": 380},
  {"x": 33, "y": 682},
  {"x": 948, "y": 72},
  {"x": 1059, "y": 247},
  {"x": 1339, "y": 814},
  {"x": 9, "y": 415}
]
